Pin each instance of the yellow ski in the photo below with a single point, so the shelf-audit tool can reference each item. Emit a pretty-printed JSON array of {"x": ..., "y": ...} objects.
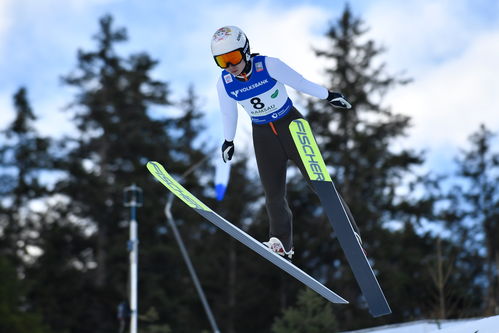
[
  {"x": 159, "y": 172},
  {"x": 316, "y": 168}
]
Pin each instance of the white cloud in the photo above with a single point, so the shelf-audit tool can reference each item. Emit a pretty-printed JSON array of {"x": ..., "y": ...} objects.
[
  {"x": 53, "y": 120},
  {"x": 450, "y": 49},
  {"x": 85, "y": 4},
  {"x": 420, "y": 33},
  {"x": 5, "y": 22},
  {"x": 44, "y": 37},
  {"x": 443, "y": 45},
  {"x": 449, "y": 101},
  {"x": 290, "y": 37},
  {"x": 452, "y": 62}
]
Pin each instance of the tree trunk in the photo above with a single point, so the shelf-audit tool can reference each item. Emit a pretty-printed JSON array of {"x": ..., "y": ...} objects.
[
  {"x": 101, "y": 256},
  {"x": 440, "y": 281},
  {"x": 232, "y": 286},
  {"x": 284, "y": 292},
  {"x": 496, "y": 284}
]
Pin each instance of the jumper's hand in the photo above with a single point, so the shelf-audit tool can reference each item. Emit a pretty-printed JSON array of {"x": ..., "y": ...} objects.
[
  {"x": 337, "y": 100},
  {"x": 227, "y": 150}
]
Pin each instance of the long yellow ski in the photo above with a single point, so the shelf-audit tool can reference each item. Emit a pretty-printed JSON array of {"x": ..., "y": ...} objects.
[
  {"x": 159, "y": 172},
  {"x": 329, "y": 197}
]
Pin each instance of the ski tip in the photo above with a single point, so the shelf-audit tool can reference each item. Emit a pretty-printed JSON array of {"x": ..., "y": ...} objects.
[{"x": 153, "y": 165}]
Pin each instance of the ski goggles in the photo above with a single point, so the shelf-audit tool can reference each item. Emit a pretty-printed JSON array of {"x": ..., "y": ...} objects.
[{"x": 233, "y": 58}]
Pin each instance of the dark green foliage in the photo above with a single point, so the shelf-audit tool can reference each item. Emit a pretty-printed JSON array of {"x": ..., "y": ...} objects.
[
  {"x": 62, "y": 285},
  {"x": 357, "y": 145},
  {"x": 357, "y": 142},
  {"x": 231, "y": 272},
  {"x": 23, "y": 156},
  {"x": 64, "y": 268},
  {"x": 15, "y": 314},
  {"x": 150, "y": 323},
  {"x": 116, "y": 138},
  {"x": 475, "y": 221},
  {"x": 312, "y": 314}
]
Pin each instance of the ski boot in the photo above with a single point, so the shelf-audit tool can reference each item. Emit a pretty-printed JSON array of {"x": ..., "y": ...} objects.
[{"x": 275, "y": 245}]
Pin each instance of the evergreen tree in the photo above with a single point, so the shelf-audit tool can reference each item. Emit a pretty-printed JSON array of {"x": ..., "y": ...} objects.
[
  {"x": 455, "y": 293},
  {"x": 356, "y": 142},
  {"x": 478, "y": 209},
  {"x": 312, "y": 314},
  {"x": 116, "y": 137},
  {"x": 23, "y": 156},
  {"x": 229, "y": 272},
  {"x": 13, "y": 315},
  {"x": 62, "y": 285},
  {"x": 368, "y": 172},
  {"x": 189, "y": 126},
  {"x": 245, "y": 287},
  {"x": 180, "y": 305}
]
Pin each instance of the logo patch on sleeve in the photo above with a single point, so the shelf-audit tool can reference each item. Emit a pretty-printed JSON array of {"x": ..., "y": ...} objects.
[
  {"x": 228, "y": 78},
  {"x": 259, "y": 66}
]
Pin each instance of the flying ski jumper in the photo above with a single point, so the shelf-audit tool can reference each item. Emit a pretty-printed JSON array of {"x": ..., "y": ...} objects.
[
  {"x": 258, "y": 83},
  {"x": 279, "y": 134}
]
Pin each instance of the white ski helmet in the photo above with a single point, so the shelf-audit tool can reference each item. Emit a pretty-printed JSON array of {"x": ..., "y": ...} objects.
[{"x": 228, "y": 39}]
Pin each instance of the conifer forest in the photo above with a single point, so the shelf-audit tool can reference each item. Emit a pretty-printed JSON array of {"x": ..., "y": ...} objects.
[{"x": 64, "y": 263}]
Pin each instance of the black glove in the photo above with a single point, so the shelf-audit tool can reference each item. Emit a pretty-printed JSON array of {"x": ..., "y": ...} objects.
[
  {"x": 337, "y": 100},
  {"x": 227, "y": 150}
]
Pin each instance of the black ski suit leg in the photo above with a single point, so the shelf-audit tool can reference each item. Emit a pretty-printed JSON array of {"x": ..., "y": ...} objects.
[
  {"x": 272, "y": 165},
  {"x": 274, "y": 146}
]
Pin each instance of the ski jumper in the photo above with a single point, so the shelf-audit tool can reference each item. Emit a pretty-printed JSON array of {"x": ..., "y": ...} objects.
[{"x": 262, "y": 94}]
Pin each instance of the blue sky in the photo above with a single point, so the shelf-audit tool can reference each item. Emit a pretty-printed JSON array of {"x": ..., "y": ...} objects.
[{"x": 450, "y": 49}]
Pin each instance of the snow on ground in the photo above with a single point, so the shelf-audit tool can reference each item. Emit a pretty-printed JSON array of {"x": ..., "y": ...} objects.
[{"x": 477, "y": 325}]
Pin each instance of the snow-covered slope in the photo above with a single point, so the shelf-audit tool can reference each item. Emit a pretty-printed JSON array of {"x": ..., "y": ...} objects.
[{"x": 477, "y": 325}]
